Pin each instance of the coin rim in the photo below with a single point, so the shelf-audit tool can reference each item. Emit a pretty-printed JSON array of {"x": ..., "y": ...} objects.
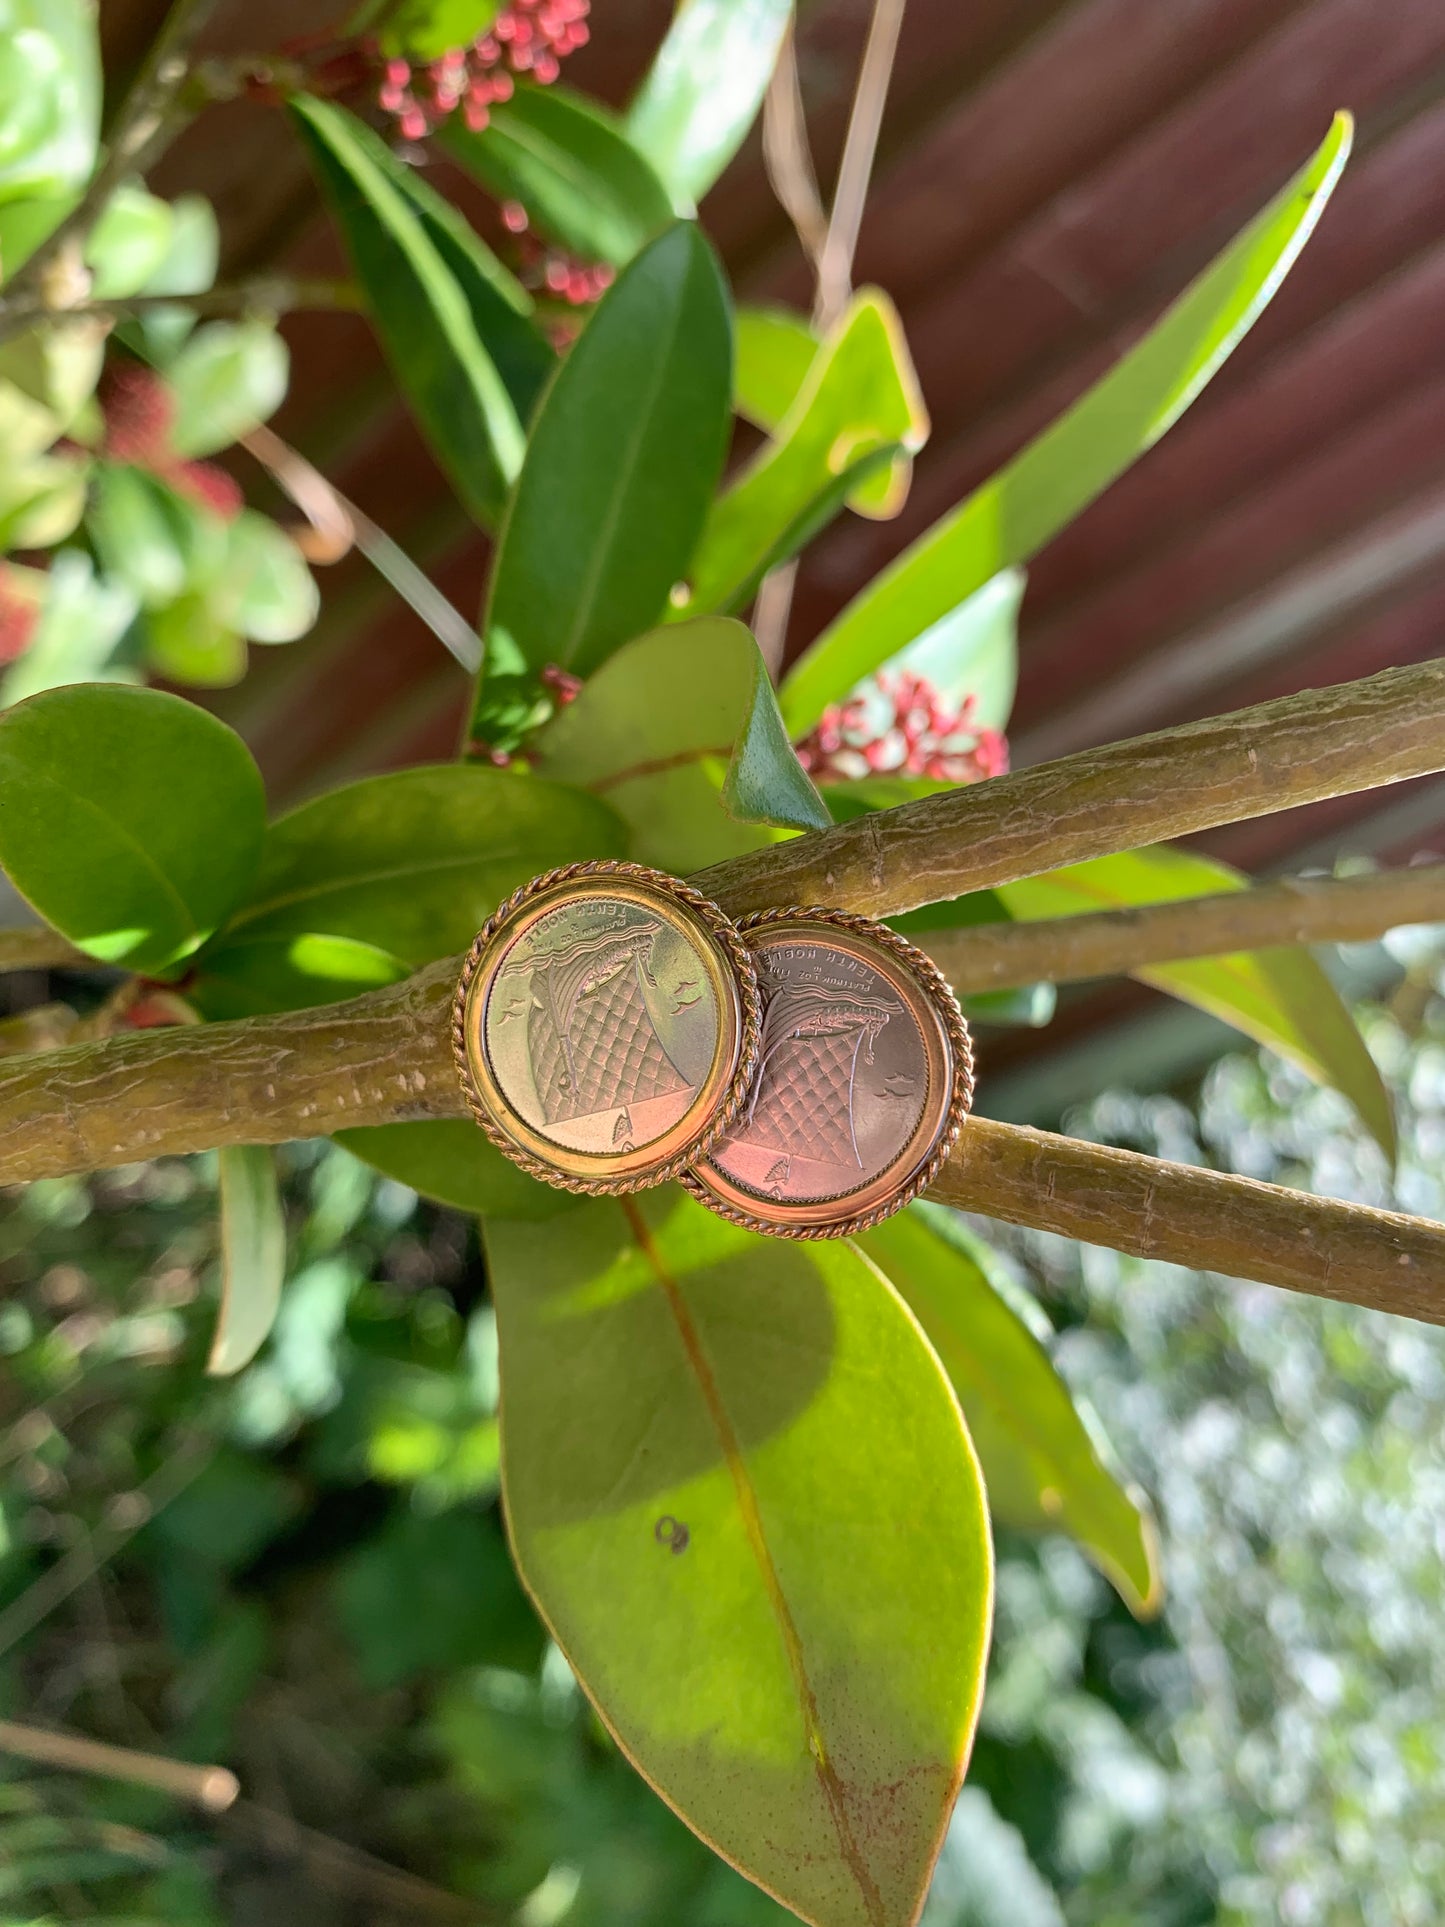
[
  {"x": 950, "y": 1052},
  {"x": 719, "y": 1098}
]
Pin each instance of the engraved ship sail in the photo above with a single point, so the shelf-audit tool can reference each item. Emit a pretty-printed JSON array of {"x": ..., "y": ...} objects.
[
  {"x": 590, "y": 1037},
  {"x": 813, "y": 1037}
]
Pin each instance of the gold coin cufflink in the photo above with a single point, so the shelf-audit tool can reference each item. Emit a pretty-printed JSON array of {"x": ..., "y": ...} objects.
[
  {"x": 606, "y": 1027},
  {"x": 863, "y": 1081}
]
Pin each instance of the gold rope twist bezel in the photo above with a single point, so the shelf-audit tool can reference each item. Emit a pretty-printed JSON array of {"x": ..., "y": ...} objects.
[
  {"x": 744, "y": 974},
  {"x": 960, "y": 1101}
]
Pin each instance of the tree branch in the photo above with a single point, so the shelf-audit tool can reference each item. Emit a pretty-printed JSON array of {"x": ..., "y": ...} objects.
[
  {"x": 143, "y": 126},
  {"x": 213, "y": 1788},
  {"x": 1299, "y": 749},
  {"x": 1111, "y": 943},
  {"x": 1200, "y": 1219},
  {"x": 264, "y": 294},
  {"x": 385, "y": 1058}
]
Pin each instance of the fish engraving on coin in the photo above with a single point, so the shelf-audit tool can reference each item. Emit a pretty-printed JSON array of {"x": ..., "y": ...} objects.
[
  {"x": 864, "y": 1076},
  {"x": 602, "y": 1026}
]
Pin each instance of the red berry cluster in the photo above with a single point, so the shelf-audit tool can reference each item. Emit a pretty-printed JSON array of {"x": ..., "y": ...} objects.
[
  {"x": 578, "y": 283},
  {"x": 900, "y": 726},
  {"x": 528, "y": 37},
  {"x": 139, "y": 413}
]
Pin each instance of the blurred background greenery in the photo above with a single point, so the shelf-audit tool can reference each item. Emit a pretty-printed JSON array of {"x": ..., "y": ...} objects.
[{"x": 300, "y": 1573}]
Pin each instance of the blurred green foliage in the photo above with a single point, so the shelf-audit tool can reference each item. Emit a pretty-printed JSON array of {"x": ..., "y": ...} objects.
[{"x": 326, "y": 1604}]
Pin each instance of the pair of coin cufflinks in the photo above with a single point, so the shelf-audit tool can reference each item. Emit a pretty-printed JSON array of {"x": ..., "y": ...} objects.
[{"x": 803, "y": 1072}]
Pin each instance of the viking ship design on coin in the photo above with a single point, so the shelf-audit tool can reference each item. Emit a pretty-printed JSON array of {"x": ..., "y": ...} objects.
[
  {"x": 864, "y": 1072},
  {"x": 592, "y": 1044},
  {"x": 606, "y": 1023}
]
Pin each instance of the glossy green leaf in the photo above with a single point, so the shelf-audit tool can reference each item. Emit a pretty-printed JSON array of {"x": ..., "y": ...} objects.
[
  {"x": 1056, "y": 476},
  {"x": 625, "y": 451},
  {"x": 415, "y": 862},
  {"x": 500, "y": 307},
  {"x": 129, "y": 242},
  {"x": 570, "y": 165},
  {"x": 138, "y": 527},
  {"x": 243, "y": 979},
  {"x": 704, "y": 89},
  {"x": 1032, "y": 1005},
  {"x": 679, "y": 731},
  {"x": 859, "y": 398},
  {"x": 49, "y": 98},
  {"x": 1041, "y": 1465},
  {"x": 1281, "y": 998},
  {"x": 451, "y": 1161},
  {"x": 739, "y": 1490},
  {"x": 775, "y": 349},
  {"x": 229, "y": 376},
  {"x": 82, "y": 620},
  {"x": 130, "y": 819},
  {"x": 187, "y": 642},
  {"x": 263, "y": 588},
  {"x": 421, "y": 312},
  {"x": 253, "y": 1256},
  {"x": 426, "y": 29}
]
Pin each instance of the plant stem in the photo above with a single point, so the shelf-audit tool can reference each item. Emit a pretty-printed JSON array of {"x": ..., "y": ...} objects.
[
  {"x": 144, "y": 125},
  {"x": 41, "y": 949},
  {"x": 789, "y": 159},
  {"x": 1111, "y": 943},
  {"x": 1201, "y": 1219},
  {"x": 835, "y": 268},
  {"x": 1274, "y": 756},
  {"x": 265, "y": 294},
  {"x": 213, "y": 1788}
]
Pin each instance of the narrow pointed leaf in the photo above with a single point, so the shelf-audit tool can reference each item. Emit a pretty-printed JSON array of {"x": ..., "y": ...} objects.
[
  {"x": 415, "y": 862},
  {"x": 253, "y": 1256},
  {"x": 130, "y": 819},
  {"x": 1042, "y": 1467},
  {"x": 775, "y": 349},
  {"x": 679, "y": 732},
  {"x": 705, "y": 87},
  {"x": 426, "y": 29},
  {"x": 741, "y": 1493},
  {"x": 421, "y": 312},
  {"x": 972, "y": 652},
  {"x": 860, "y": 397},
  {"x": 571, "y": 166},
  {"x": 1045, "y": 486},
  {"x": 624, "y": 454}
]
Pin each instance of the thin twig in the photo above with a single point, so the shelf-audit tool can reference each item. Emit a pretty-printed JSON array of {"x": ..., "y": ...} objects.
[
  {"x": 144, "y": 125},
  {"x": 835, "y": 272},
  {"x": 1109, "y": 943},
  {"x": 41, "y": 949},
  {"x": 213, "y": 1788},
  {"x": 351, "y": 1871},
  {"x": 268, "y": 294},
  {"x": 788, "y": 158},
  {"x": 338, "y": 524}
]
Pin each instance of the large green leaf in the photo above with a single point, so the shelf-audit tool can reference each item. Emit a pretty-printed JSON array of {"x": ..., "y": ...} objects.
[
  {"x": 253, "y": 1256},
  {"x": 501, "y": 308},
  {"x": 860, "y": 398},
  {"x": 452, "y": 1161},
  {"x": 241, "y": 978},
  {"x": 740, "y": 1491},
  {"x": 680, "y": 732},
  {"x": 49, "y": 98},
  {"x": 625, "y": 451},
  {"x": 1040, "y": 1462},
  {"x": 414, "y": 863},
  {"x": 229, "y": 376},
  {"x": 973, "y": 652},
  {"x": 422, "y": 313},
  {"x": 704, "y": 89},
  {"x": 571, "y": 166},
  {"x": 1055, "y": 477},
  {"x": 130, "y": 819}
]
